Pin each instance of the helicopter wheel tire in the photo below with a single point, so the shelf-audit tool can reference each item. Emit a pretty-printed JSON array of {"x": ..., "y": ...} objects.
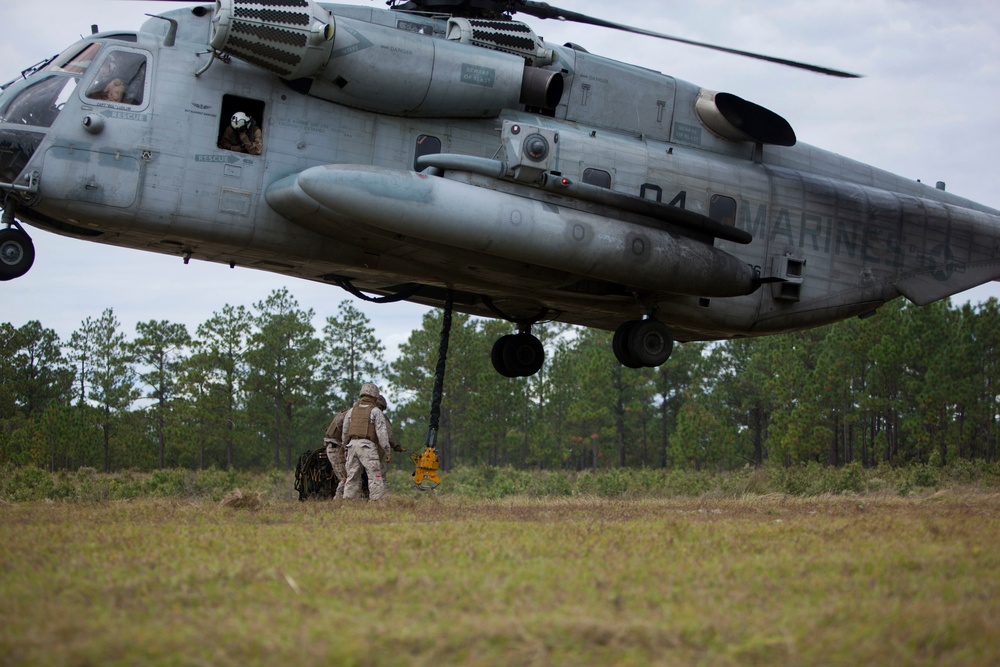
[
  {"x": 523, "y": 354},
  {"x": 650, "y": 342},
  {"x": 497, "y": 356},
  {"x": 621, "y": 347},
  {"x": 17, "y": 253}
]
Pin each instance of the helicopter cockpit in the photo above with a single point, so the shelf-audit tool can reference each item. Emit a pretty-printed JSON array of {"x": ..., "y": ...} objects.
[
  {"x": 42, "y": 93},
  {"x": 36, "y": 100},
  {"x": 38, "y": 104},
  {"x": 32, "y": 103}
]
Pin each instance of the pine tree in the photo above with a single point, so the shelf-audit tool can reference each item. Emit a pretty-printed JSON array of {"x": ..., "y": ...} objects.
[
  {"x": 113, "y": 388},
  {"x": 351, "y": 355},
  {"x": 283, "y": 357},
  {"x": 159, "y": 346},
  {"x": 214, "y": 381}
]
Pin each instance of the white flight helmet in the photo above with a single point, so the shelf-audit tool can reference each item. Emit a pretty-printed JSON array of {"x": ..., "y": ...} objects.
[{"x": 240, "y": 120}]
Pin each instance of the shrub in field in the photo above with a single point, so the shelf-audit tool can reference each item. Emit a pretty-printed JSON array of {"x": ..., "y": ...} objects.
[
  {"x": 611, "y": 483},
  {"x": 964, "y": 471},
  {"x": 30, "y": 483},
  {"x": 748, "y": 481},
  {"x": 848, "y": 479},
  {"x": 86, "y": 484},
  {"x": 991, "y": 473},
  {"x": 171, "y": 483},
  {"x": 925, "y": 476},
  {"x": 545, "y": 483},
  {"x": 488, "y": 481},
  {"x": 788, "y": 480},
  {"x": 64, "y": 487},
  {"x": 215, "y": 483},
  {"x": 125, "y": 485},
  {"x": 686, "y": 482},
  {"x": 646, "y": 482},
  {"x": 92, "y": 487},
  {"x": 24, "y": 483}
]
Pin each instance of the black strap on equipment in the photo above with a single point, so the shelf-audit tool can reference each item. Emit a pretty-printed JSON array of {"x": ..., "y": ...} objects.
[
  {"x": 438, "y": 390},
  {"x": 346, "y": 284}
]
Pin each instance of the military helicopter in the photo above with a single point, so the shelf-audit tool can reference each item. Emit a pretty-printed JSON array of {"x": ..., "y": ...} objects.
[{"x": 443, "y": 148}]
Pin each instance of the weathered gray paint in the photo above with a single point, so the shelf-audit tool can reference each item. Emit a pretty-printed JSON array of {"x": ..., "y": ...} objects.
[{"x": 154, "y": 179}]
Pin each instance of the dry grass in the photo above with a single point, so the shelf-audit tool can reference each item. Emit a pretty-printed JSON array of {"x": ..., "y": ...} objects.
[
  {"x": 236, "y": 499},
  {"x": 761, "y": 580}
]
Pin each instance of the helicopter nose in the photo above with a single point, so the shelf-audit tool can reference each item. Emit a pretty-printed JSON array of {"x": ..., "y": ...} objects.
[{"x": 18, "y": 146}]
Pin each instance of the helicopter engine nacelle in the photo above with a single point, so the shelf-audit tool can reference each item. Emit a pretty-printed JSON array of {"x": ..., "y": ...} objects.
[
  {"x": 508, "y": 36},
  {"x": 292, "y": 42},
  {"x": 383, "y": 69},
  {"x": 403, "y": 73},
  {"x": 736, "y": 119}
]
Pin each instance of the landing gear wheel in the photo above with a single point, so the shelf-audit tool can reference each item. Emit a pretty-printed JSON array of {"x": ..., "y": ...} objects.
[
  {"x": 496, "y": 356},
  {"x": 642, "y": 343},
  {"x": 17, "y": 253},
  {"x": 523, "y": 355},
  {"x": 650, "y": 343},
  {"x": 517, "y": 355},
  {"x": 621, "y": 347}
]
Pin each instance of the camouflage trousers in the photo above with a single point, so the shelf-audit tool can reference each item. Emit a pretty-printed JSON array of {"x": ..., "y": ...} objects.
[
  {"x": 335, "y": 453},
  {"x": 363, "y": 455}
]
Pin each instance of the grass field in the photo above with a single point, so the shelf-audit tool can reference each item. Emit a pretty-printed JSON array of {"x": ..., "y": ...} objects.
[{"x": 766, "y": 579}]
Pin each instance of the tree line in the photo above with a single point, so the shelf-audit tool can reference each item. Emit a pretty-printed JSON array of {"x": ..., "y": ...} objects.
[{"x": 252, "y": 388}]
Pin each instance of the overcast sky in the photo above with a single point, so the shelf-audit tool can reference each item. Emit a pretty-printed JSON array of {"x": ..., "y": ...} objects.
[{"x": 928, "y": 109}]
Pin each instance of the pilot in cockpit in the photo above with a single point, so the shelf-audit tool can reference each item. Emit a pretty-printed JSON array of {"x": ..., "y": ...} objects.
[
  {"x": 107, "y": 85},
  {"x": 114, "y": 91},
  {"x": 110, "y": 83}
]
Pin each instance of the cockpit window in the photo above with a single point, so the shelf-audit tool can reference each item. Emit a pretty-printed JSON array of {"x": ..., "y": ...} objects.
[
  {"x": 40, "y": 103},
  {"x": 78, "y": 62},
  {"x": 121, "y": 79}
]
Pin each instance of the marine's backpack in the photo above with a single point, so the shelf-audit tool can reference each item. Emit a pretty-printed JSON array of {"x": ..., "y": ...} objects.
[{"x": 314, "y": 476}]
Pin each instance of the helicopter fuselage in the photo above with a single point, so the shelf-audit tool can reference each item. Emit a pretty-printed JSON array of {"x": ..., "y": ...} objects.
[{"x": 403, "y": 160}]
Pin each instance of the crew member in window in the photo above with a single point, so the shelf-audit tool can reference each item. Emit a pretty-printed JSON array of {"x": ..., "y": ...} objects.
[
  {"x": 242, "y": 135},
  {"x": 114, "y": 91},
  {"x": 120, "y": 79},
  {"x": 107, "y": 85}
]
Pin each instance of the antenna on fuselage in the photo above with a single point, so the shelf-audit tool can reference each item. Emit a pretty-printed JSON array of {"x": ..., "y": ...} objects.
[{"x": 171, "y": 37}]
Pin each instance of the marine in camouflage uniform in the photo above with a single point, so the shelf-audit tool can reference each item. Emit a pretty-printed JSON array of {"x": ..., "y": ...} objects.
[
  {"x": 382, "y": 405},
  {"x": 366, "y": 438},
  {"x": 333, "y": 438}
]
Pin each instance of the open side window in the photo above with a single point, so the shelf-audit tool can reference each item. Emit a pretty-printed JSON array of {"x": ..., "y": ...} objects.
[{"x": 231, "y": 105}]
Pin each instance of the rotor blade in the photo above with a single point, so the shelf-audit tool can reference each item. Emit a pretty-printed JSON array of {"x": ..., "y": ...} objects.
[{"x": 543, "y": 10}]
